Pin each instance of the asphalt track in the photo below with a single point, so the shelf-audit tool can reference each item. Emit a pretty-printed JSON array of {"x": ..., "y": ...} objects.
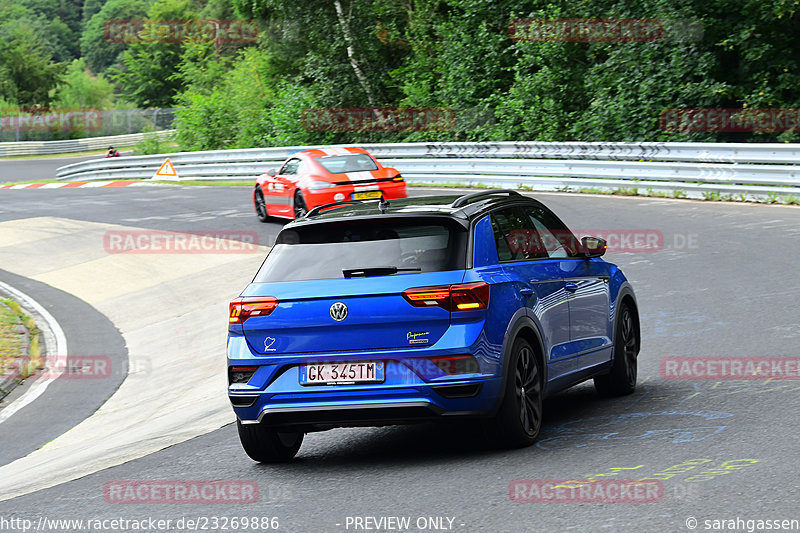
[
  {"x": 724, "y": 284},
  {"x": 67, "y": 401},
  {"x": 36, "y": 169}
]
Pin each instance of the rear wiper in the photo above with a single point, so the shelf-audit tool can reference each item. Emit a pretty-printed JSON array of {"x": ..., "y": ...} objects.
[{"x": 376, "y": 271}]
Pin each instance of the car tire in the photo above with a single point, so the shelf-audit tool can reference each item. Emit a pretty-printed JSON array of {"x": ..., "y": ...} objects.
[
  {"x": 260, "y": 205},
  {"x": 300, "y": 208},
  {"x": 265, "y": 444},
  {"x": 621, "y": 380},
  {"x": 519, "y": 420}
]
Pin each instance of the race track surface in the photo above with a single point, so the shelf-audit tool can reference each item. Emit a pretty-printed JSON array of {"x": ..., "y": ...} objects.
[{"x": 723, "y": 282}]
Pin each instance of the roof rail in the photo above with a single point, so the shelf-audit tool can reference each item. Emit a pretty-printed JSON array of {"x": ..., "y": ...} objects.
[
  {"x": 316, "y": 210},
  {"x": 469, "y": 198}
]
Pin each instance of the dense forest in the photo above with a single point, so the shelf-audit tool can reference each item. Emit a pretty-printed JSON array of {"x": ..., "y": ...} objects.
[{"x": 491, "y": 74}]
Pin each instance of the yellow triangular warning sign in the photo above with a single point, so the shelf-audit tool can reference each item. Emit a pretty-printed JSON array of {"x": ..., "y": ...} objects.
[{"x": 166, "y": 170}]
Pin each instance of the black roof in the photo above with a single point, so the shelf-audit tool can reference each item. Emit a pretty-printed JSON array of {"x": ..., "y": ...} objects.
[{"x": 465, "y": 206}]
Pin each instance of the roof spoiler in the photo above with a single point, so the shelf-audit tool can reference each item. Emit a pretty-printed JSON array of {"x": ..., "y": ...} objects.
[{"x": 475, "y": 196}]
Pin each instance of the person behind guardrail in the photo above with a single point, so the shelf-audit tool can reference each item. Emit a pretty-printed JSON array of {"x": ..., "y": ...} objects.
[{"x": 111, "y": 152}]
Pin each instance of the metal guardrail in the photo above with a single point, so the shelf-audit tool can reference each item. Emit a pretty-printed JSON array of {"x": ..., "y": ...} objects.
[
  {"x": 689, "y": 168},
  {"x": 76, "y": 145}
]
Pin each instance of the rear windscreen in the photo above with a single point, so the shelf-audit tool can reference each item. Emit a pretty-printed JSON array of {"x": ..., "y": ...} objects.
[
  {"x": 347, "y": 163},
  {"x": 327, "y": 251}
]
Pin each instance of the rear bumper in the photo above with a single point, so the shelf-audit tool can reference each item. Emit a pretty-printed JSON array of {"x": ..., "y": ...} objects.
[
  {"x": 410, "y": 392},
  {"x": 366, "y": 414},
  {"x": 379, "y": 404},
  {"x": 389, "y": 191},
  {"x": 378, "y": 408}
]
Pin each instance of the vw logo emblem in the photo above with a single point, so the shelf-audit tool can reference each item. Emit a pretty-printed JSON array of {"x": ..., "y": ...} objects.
[{"x": 338, "y": 311}]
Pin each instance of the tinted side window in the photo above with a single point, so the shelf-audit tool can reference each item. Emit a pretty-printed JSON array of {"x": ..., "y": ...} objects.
[
  {"x": 290, "y": 167},
  {"x": 514, "y": 236},
  {"x": 554, "y": 238}
]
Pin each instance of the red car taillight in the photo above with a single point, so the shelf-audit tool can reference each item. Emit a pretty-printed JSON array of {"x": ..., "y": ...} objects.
[
  {"x": 240, "y": 374},
  {"x": 245, "y": 307},
  {"x": 464, "y": 297}
]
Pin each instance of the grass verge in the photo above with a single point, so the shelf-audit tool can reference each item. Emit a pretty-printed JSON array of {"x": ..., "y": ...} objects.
[
  {"x": 25, "y": 182},
  {"x": 12, "y": 341}
]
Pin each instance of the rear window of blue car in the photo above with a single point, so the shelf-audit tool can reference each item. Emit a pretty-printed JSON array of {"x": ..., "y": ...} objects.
[{"x": 326, "y": 251}]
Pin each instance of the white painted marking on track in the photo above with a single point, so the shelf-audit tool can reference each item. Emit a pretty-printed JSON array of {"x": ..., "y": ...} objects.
[
  {"x": 40, "y": 385},
  {"x": 144, "y": 218}
]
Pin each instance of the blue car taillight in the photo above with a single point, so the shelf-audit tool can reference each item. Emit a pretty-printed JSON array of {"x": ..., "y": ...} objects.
[
  {"x": 243, "y": 308},
  {"x": 463, "y": 297}
]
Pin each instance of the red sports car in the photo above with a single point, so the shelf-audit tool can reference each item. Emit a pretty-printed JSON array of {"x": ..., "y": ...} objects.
[{"x": 316, "y": 177}]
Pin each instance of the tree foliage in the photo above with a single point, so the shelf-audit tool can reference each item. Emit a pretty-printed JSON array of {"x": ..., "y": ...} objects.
[
  {"x": 455, "y": 55},
  {"x": 80, "y": 89},
  {"x": 148, "y": 74},
  {"x": 99, "y": 52},
  {"x": 27, "y": 74}
]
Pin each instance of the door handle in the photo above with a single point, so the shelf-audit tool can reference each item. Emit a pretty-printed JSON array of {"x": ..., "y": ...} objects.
[
  {"x": 526, "y": 291},
  {"x": 571, "y": 287}
]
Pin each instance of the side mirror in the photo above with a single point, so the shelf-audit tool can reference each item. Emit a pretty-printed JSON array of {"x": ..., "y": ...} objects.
[
  {"x": 593, "y": 246},
  {"x": 272, "y": 172}
]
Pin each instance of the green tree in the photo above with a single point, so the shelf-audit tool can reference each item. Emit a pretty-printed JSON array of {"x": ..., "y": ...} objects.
[
  {"x": 458, "y": 54},
  {"x": 43, "y": 18},
  {"x": 80, "y": 89},
  {"x": 27, "y": 75},
  {"x": 90, "y": 9},
  {"x": 99, "y": 52},
  {"x": 150, "y": 70}
]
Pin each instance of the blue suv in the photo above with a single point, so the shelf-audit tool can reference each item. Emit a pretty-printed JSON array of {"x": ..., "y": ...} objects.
[{"x": 373, "y": 313}]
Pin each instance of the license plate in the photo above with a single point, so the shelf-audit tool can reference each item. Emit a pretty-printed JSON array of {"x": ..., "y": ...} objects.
[
  {"x": 371, "y": 195},
  {"x": 341, "y": 373}
]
